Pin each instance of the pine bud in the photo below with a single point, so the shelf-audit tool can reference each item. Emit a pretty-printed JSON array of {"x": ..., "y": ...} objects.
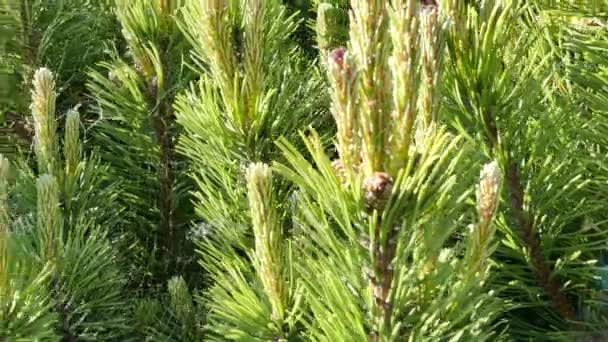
[
  {"x": 431, "y": 42},
  {"x": 488, "y": 196},
  {"x": 71, "y": 143},
  {"x": 377, "y": 187},
  {"x": 488, "y": 193},
  {"x": 405, "y": 70},
  {"x": 268, "y": 239},
  {"x": 43, "y": 112},
  {"x": 253, "y": 54},
  {"x": 344, "y": 100},
  {"x": 49, "y": 214},
  {"x": 206, "y": 21}
]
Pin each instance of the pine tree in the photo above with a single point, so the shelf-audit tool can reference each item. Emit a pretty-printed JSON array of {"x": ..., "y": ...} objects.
[
  {"x": 137, "y": 134},
  {"x": 55, "y": 245},
  {"x": 502, "y": 97},
  {"x": 379, "y": 224},
  {"x": 543, "y": 283},
  {"x": 25, "y": 303},
  {"x": 261, "y": 289},
  {"x": 255, "y": 86},
  {"x": 304, "y": 170}
]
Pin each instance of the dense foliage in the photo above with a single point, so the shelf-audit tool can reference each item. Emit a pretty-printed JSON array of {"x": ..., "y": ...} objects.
[{"x": 294, "y": 170}]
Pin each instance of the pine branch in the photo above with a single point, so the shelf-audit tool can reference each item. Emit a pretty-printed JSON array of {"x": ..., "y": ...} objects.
[
  {"x": 527, "y": 230},
  {"x": 137, "y": 134},
  {"x": 551, "y": 285},
  {"x": 488, "y": 200},
  {"x": 384, "y": 255},
  {"x": 499, "y": 85},
  {"x": 378, "y": 189},
  {"x": 269, "y": 255},
  {"x": 64, "y": 313},
  {"x": 432, "y": 50},
  {"x": 164, "y": 121},
  {"x": 369, "y": 43},
  {"x": 255, "y": 86},
  {"x": 530, "y": 235},
  {"x": 45, "y": 122}
]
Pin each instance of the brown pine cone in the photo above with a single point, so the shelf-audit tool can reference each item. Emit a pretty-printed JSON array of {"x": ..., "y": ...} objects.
[{"x": 377, "y": 189}]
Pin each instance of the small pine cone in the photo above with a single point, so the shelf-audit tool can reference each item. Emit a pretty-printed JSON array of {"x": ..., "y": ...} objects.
[{"x": 378, "y": 189}]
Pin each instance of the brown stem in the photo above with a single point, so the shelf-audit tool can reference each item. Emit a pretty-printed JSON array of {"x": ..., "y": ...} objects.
[
  {"x": 163, "y": 123},
  {"x": 529, "y": 234},
  {"x": 491, "y": 129},
  {"x": 384, "y": 253},
  {"x": 163, "y": 120},
  {"x": 551, "y": 285},
  {"x": 63, "y": 309}
]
